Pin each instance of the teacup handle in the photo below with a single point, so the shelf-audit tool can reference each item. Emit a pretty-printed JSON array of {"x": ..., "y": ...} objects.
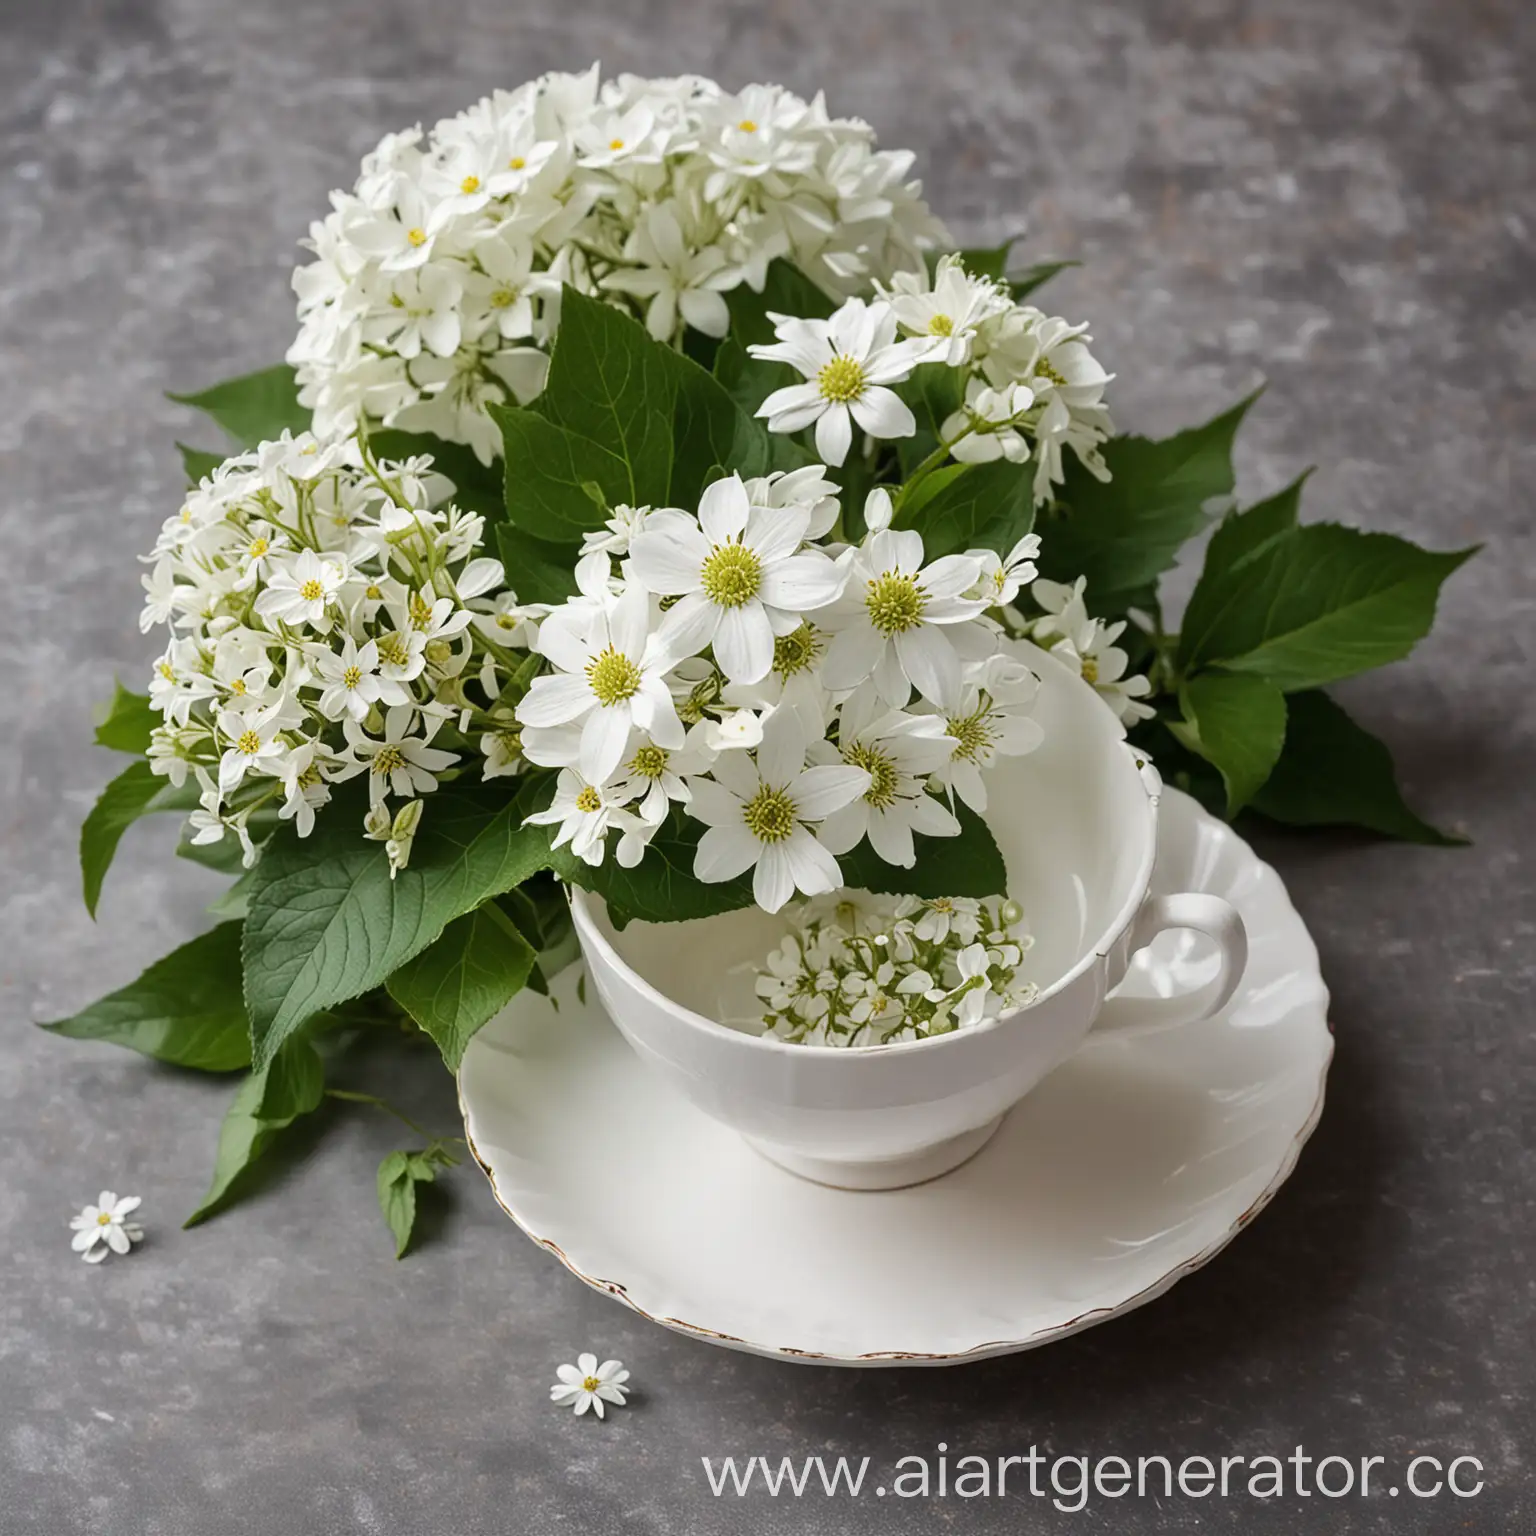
[{"x": 1124, "y": 1017}]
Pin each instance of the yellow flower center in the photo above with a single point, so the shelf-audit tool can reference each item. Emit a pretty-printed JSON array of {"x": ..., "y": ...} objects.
[
  {"x": 238, "y": 687},
  {"x": 470, "y": 184},
  {"x": 506, "y": 621},
  {"x": 972, "y": 737},
  {"x": 769, "y": 815},
  {"x": 249, "y": 743},
  {"x": 312, "y": 590},
  {"x": 941, "y": 325},
  {"x": 372, "y": 592},
  {"x": 841, "y": 379},
  {"x": 166, "y": 670},
  {"x": 420, "y": 610},
  {"x": 417, "y": 236},
  {"x": 895, "y": 603},
  {"x": 731, "y": 575},
  {"x": 613, "y": 676},
  {"x": 387, "y": 759},
  {"x": 516, "y": 163},
  {"x": 615, "y": 143},
  {"x": 257, "y": 547},
  {"x": 503, "y": 298},
  {"x": 589, "y": 800},
  {"x": 351, "y": 677},
  {"x": 1046, "y": 369},
  {"x": 103, "y": 1219},
  {"x": 650, "y": 762},
  {"x": 797, "y": 651},
  {"x": 883, "y": 773},
  {"x": 746, "y": 125},
  {"x": 591, "y": 1383},
  {"x": 393, "y": 651},
  {"x": 1090, "y": 669}
]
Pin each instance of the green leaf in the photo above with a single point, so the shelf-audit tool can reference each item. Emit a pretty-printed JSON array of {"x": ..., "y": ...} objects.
[
  {"x": 1037, "y": 276},
  {"x": 477, "y": 487},
  {"x": 399, "y": 1174},
  {"x": 968, "y": 865},
  {"x": 185, "y": 1009},
  {"x": 127, "y": 722},
  {"x": 327, "y": 923},
  {"x": 786, "y": 291},
  {"x": 135, "y": 792},
  {"x": 254, "y": 408},
  {"x": 1333, "y": 772},
  {"x": 1236, "y": 723},
  {"x": 1321, "y": 603},
  {"x": 988, "y": 261},
  {"x": 290, "y": 1085},
  {"x": 548, "y": 471},
  {"x": 1127, "y": 532},
  {"x": 466, "y": 976},
  {"x": 1243, "y": 534},
  {"x": 971, "y": 506},
  {"x": 537, "y": 572},
  {"x": 198, "y": 463}
]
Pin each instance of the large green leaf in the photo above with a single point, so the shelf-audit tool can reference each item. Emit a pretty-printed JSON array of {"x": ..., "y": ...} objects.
[
  {"x": 786, "y": 291},
  {"x": 1321, "y": 603},
  {"x": 970, "y": 506},
  {"x": 291, "y": 1084},
  {"x": 185, "y": 1009},
  {"x": 1037, "y": 276},
  {"x": 1240, "y": 535},
  {"x": 1237, "y": 723},
  {"x": 467, "y": 975},
  {"x": 135, "y": 792},
  {"x": 1333, "y": 772},
  {"x": 254, "y": 408},
  {"x": 555, "y": 490},
  {"x": 127, "y": 722},
  {"x": 1125, "y": 533},
  {"x": 538, "y": 572},
  {"x": 327, "y": 923}
]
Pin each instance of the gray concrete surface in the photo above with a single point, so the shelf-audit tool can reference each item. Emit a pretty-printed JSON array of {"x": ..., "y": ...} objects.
[{"x": 1337, "y": 196}]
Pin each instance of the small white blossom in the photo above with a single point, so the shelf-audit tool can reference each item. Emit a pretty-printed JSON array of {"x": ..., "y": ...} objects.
[
  {"x": 105, "y": 1227},
  {"x": 589, "y": 1385}
]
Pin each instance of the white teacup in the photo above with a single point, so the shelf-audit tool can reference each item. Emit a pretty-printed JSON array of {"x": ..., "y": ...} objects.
[{"x": 1076, "y": 821}]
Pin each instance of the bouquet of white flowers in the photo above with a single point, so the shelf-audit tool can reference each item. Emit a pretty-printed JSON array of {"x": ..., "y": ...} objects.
[{"x": 651, "y": 504}]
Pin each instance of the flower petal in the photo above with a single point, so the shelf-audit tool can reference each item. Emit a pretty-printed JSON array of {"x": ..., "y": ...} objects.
[
  {"x": 883, "y": 413},
  {"x": 744, "y": 643},
  {"x": 820, "y": 791},
  {"x": 723, "y": 510},
  {"x": 852, "y": 655},
  {"x": 811, "y": 866},
  {"x": 774, "y": 881},
  {"x": 555, "y": 700},
  {"x": 604, "y": 736},
  {"x": 802, "y": 582},
  {"x": 834, "y": 434},
  {"x": 668, "y": 561},
  {"x": 929, "y": 660},
  {"x": 725, "y": 852}
]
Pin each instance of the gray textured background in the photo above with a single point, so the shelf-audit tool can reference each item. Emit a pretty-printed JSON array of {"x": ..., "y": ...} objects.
[{"x": 1335, "y": 195}]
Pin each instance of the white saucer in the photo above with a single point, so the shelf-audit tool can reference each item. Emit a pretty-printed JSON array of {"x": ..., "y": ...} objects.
[{"x": 1132, "y": 1165}]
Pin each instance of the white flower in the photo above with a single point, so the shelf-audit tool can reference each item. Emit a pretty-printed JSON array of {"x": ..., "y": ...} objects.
[
  {"x": 947, "y": 313},
  {"x": 402, "y": 763},
  {"x": 849, "y": 359},
  {"x": 899, "y": 752},
  {"x": 676, "y": 276},
  {"x": 255, "y": 745},
  {"x": 614, "y": 537},
  {"x": 739, "y": 573},
  {"x": 105, "y": 1226},
  {"x": 960, "y": 915},
  {"x": 583, "y": 812},
  {"x": 1088, "y": 647},
  {"x": 611, "y": 676},
  {"x": 989, "y": 718},
  {"x": 589, "y": 1385},
  {"x": 986, "y": 426},
  {"x": 301, "y": 590},
  {"x": 756, "y": 808},
  {"x": 894, "y": 619},
  {"x": 1002, "y": 578},
  {"x": 352, "y": 681}
]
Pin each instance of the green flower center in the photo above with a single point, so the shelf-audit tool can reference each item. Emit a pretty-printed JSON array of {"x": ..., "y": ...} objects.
[
  {"x": 841, "y": 379},
  {"x": 1090, "y": 669},
  {"x": 650, "y": 762},
  {"x": 895, "y": 603},
  {"x": 770, "y": 815},
  {"x": 797, "y": 651},
  {"x": 1046, "y": 369},
  {"x": 393, "y": 651},
  {"x": 972, "y": 738},
  {"x": 351, "y": 677},
  {"x": 387, "y": 760},
  {"x": 731, "y": 575},
  {"x": 503, "y": 298},
  {"x": 941, "y": 325},
  {"x": 420, "y": 610},
  {"x": 613, "y": 676},
  {"x": 589, "y": 800},
  {"x": 883, "y": 773}
]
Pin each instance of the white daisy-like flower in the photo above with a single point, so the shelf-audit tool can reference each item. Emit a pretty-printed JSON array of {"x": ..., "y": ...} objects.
[
  {"x": 676, "y": 275},
  {"x": 611, "y": 670},
  {"x": 104, "y": 1227},
  {"x": 739, "y": 574},
  {"x": 584, "y": 812},
  {"x": 352, "y": 684},
  {"x": 1088, "y": 646},
  {"x": 946, "y": 312},
  {"x": 401, "y": 763},
  {"x": 756, "y": 808},
  {"x": 255, "y": 745},
  {"x": 1003, "y": 577},
  {"x": 848, "y": 361},
  {"x": 904, "y": 623},
  {"x": 589, "y": 1385},
  {"x": 990, "y": 717},
  {"x": 613, "y": 538},
  {"x": 899, "y": 751},
  {"x": 986, "y": 427},
  {"x": 960, "y": 915},
  {"x": 301, "y": 590}
]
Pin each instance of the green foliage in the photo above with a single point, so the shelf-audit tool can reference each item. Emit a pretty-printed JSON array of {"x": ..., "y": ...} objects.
[
  {"x": 970, "y": 506},
  {"x": 326, "y": 922},
  {"x": 290, "y": 1084},
  {"x": 186, "y": 1009},
  {"x": 479, "y": 963},
  {"x": 1123, "y": 534},
  {"x": 536, "y": 571},
  {"x": 135, "y": 792},
  {"x": 1333, "y": 772},
  {"x": 126, "y": 724},
  {"x": 1037, "y": 276},
  {"x": 786, "y": 291},
  {"x": 1237, "y": 724},
  {"x": 252, "y": 408},
  {"x": 198, "y": 462},
  {"x": 399, "y": 1174}
]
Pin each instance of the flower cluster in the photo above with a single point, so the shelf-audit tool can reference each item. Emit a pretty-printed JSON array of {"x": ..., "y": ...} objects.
[
  {"x": 1024, "y": 384},
  {"x": 1087, "y": 645},
  {"x": 795, "y": 693},
  {"x": 874, "y": 971},
  {"x": 435, "y": 285},
  {"x": 330, "y": 616}
]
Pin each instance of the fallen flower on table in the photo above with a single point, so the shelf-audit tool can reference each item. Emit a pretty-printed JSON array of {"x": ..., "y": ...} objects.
[
  {"x": 104, "y": 1226},
  {"x": 589, "y": 1385}
]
